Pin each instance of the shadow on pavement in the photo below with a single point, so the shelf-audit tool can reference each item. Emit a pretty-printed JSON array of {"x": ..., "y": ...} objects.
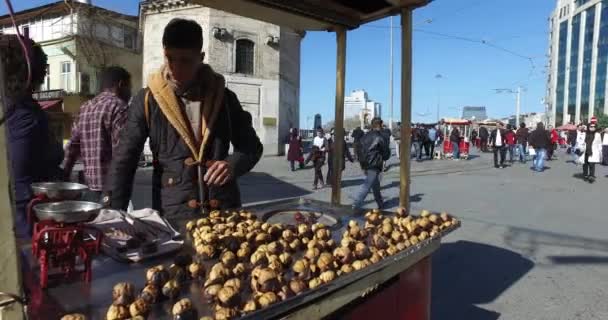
[
  {"x": 468, "y": 273},
  {"x": 259, "y": 186},
  {"x": 578, "y": 259},
  {"x": 529, "y": 241}
]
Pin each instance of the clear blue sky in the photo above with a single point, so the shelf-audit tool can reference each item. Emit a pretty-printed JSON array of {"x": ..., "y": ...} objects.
[{"x": 449, "y": 45}]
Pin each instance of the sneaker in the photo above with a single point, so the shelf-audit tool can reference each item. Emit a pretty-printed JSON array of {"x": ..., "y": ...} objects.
[
  {"x": 496, "y": 166},
  {"x": 591, "y": 179}
]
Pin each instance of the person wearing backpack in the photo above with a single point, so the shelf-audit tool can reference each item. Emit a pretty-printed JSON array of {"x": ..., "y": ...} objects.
[{"x": 192, "y": 119}]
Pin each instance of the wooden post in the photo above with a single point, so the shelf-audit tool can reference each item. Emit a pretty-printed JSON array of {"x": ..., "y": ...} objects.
[
  {"x": 338, "y": 154},
  {"x": 406, "y": 107},
  {"x": 10, "y": 277}
]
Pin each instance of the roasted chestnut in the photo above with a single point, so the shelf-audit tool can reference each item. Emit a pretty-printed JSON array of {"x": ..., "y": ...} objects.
[
  {"x": 190, "y": 225},
  {"x": 297, "y": 286},
  {"x": 149, "y": 294},
  {"x": 402, "y": 212},
  {"x": 238, "y": 270},
  {"x": 250, "y": 306},
  {"x": 207, "y": 252},
  {"x": 275, "y": 231},
  {"x": 312, "y": 253},
  {"x": 211, "y": 291},
  {"x": 177, "y": 273},
  {"x": 274, "y": 248},
  {"x": 228, "y": 297},
  {"x": 347, "y": 268},
  {"x": 288, "y": 235},
  {"x": 379, "y": 242},
  {"x": 258, "y": 258},
  {"x": 375, "y": 258},
  {"x": 296, "y": 244},
  {"x": 323, "y": 234},
  {"x": 325, "y": 261},
  {"x": 183, "y": 310},
  {"x": 117, "y": 312},
  {"x": 392, "y": 250},
  {"x": 445, "y": 216},
  {"x": 275, "y": 263},
  {"x": 218, "y": 274},
  {"x": 300, "y": 266},
  {"x": 139, "y": 308},
  {"x": 228, "y": 259},
  {"x": 401, "y": 246},
  {"x": 243, "y": 253},
  {"x": 327, "y": 276},
  {"x": 234, "y": 283},
  {"x": 266, "y": 280},
  {"x": 171, "y": 289},
  {"x": 285, "y": 293},
  {"x": 361, "y": 251},
  {"x": 262, "y": 238},
  {"x": 387, "y": 229},
  {"x": 314, "y": 282},
  {"x": 197, "y": 270},
  {"x": 304, "y": 231},
  {"x": 267, "y": 299},
  {"x": 358, "y": 265},
  {"x": 123, "y": 294}
]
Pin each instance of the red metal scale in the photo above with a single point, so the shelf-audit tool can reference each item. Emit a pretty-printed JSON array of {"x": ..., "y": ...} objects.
[
  {"x": 61, "y": 241},
  {"x": 67, "y": 247}
]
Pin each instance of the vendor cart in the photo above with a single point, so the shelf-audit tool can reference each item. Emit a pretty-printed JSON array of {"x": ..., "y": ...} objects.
[
  {"x": 464, "y": 126},
  {"x": 397, "y": 287}
]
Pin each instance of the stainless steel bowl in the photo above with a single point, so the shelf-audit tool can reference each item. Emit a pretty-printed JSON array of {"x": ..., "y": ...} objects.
[
  {"x": 67, "y": 211},
  {"x": 59, "y": 190}
]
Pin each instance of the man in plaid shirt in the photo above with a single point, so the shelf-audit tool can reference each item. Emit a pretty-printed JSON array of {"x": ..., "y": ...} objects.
[{"x": 95, "y": 133}]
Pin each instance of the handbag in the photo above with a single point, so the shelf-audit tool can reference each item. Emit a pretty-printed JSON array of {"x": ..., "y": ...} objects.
[{"x": 531, "y": 151}]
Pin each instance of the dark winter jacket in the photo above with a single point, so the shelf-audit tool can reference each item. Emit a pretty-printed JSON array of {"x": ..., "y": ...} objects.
[
  {"x": 540, "y": 139},
  {"x": 483, "y": 133},
  {"x": 503, "y": 136},
  {"x": 522, "y": 135},
  {"x": 375, "y": 151},
  {"x": 34, "y": 153},
  {"x": 455, "y": 136},
  {"x": 330, "y": 152},
  {"x": 357, "y": 134},
  {"x": 175, "y": 177}
]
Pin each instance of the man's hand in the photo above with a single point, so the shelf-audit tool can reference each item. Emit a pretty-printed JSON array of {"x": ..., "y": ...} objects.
[{"x": 218, "y": 173}]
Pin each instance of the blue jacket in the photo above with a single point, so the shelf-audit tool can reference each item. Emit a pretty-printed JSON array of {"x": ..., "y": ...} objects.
[{"x": 34, "y": 154}]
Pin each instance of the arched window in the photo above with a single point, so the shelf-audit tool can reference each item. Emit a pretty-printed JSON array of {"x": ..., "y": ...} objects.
[{"x": 244, "y": 56}]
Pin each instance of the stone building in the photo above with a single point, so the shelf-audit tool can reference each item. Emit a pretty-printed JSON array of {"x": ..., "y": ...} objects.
[
  {"x": 260, "y": 61},
  {"x": 80, "y": 39}
]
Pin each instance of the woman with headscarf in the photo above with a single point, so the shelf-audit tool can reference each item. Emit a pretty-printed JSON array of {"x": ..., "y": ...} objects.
[
  {"x": 592, "y": 153},
  {"x": 34, "y": 154},
  {"x": 295, "y": 152}
]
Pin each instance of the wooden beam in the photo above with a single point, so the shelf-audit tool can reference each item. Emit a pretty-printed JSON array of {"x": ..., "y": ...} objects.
[
  {"x": 406, "y": 107},
  {"x": 338, "y": 154}
]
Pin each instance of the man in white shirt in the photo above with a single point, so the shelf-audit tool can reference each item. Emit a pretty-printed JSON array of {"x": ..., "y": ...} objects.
[{"x": 498, "y": 139}]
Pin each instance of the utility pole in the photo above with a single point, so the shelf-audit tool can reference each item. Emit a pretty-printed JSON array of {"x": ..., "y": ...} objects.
[
  {"x": 391, "y": 80},
  {"x": 438, "y": 77},
  {"x": 517, "y": 106}
]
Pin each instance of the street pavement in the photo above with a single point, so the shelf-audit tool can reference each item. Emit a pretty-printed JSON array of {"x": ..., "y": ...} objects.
[{"x": 532, "y": 245}]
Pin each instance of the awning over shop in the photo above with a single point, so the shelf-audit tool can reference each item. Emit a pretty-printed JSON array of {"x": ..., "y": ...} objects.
[
  {"x": 311, "y": 15},
  {"x": 51, "y": 105}
]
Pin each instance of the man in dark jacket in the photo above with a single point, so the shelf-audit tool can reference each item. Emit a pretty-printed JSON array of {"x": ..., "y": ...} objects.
[
  {"x": 483, "y": 139},
  {"x": 417, "y": 140},
  {"x": 330, "y": 154},
  {"x": 522, "y": 141},
  {"x": 540, "y": 140},
  {"x": 397, "y": 138},
  {"x": 191, "y": 119},
  {"x": 375, "y": 152},
  {"x": 357, "y": 134},
  {"x": 498, "y": 139},
  {"x": 455, "y": 140},
  {"x": 34, "y": 154}
]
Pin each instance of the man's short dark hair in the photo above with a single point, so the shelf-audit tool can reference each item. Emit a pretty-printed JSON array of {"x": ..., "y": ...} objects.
[
  {"x": 183, "y": 34},
  {"x": 111, "y": 76}
]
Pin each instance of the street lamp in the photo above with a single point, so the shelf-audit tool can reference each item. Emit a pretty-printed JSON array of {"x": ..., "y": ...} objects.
[
  {"x": 438, "y": 77},
  {"x": 517, "y": 93}
]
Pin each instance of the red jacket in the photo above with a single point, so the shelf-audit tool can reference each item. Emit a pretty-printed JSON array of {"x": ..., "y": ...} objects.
[
  {"x": 554, "y": 136},
  {"x": 511, "y": 137}
]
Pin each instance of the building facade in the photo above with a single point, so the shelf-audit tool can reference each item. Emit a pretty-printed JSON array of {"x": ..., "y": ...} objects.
[
  {"x": 80, "y": 40},
  {"x": 474, "y": 113},
  {"x": 578, "y": 61},
  {"x": 260, "y": 61},
  {"x": 358, "y": 105}
]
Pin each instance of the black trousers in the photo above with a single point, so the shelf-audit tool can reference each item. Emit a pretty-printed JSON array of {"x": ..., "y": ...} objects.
[
  {"x": 503, "y": 154},
  {"x": 588, "y": 168},
  {"x": 318, "y": 173}
]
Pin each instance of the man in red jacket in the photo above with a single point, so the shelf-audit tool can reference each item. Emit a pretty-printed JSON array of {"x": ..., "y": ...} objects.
[
  {"x": 511, "y": 139},
  {"x": 553, "y": 146}
]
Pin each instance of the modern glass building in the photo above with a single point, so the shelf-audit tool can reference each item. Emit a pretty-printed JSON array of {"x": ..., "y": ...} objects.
[{"x": 578, "y": 61}]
